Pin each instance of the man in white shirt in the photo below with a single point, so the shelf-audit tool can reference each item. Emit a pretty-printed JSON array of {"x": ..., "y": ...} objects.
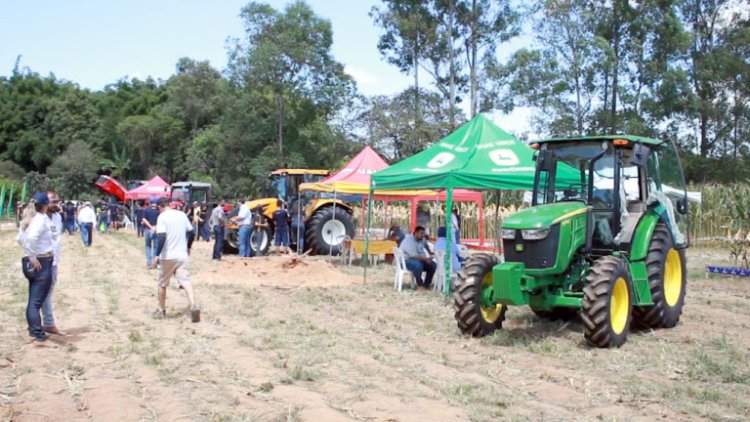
[
  {"x": 53, "y": 212},
  {"x": 244, "y": 219},
  {"x": 174, "y": 237},
  {"x": 416, "y": 258},
  {"x": 86, "y": 220}
]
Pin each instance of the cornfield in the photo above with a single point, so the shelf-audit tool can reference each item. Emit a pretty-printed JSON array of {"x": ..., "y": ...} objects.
[{"x": 724, "y": 214}]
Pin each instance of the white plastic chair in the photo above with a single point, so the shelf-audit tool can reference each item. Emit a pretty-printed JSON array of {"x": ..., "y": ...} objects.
[
  {"x": 399, "y": 259},
  {"x": 127, "y": 222}
]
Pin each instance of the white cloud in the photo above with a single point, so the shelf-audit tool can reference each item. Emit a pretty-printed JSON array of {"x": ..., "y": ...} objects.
[{"x": 362, "y": 77}]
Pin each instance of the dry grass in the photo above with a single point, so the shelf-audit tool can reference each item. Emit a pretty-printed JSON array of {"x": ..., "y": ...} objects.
[{"x": 358, "y": 352}]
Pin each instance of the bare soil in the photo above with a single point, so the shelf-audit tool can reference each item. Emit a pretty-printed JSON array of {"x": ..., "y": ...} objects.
[{"x": 310, "y": 341}]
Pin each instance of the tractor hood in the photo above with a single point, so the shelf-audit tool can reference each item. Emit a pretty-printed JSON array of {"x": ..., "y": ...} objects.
[{"x": 542, "y": 216}]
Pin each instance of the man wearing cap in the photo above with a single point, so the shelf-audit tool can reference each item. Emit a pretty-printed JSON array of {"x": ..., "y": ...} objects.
[
  {"x": 174, "y": 236},
  {"x": 86, "y": 220},
  {"x": 150, "y": 216},
  {"x": 37, "y": 237}
]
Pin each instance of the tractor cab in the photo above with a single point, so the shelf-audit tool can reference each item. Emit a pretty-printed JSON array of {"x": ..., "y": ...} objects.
[
  {"x": 616, "y": 178},
  {"x": 605, "y": 238},
  {"x": 285, "y": 182},
  {"x": 189, "y": 192}
]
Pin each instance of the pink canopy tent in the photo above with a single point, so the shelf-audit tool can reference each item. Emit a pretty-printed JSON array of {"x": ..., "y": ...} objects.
[
  {"x": 354, "y": 178},
  {"x": 155, "y": 187}
]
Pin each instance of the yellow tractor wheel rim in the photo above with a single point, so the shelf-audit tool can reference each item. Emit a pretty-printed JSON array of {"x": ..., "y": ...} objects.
[
  {"x": 619, "y": 306},
  {"x": 672, "y": 277},
  {"x": 490, "y": 314}
]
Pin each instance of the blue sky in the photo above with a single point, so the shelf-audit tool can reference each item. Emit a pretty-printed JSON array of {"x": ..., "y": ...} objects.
[{"x": 94, "y": 43}]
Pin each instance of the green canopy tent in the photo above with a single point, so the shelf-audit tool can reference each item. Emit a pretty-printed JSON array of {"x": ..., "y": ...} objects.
[{"x": 478, "y": 155}]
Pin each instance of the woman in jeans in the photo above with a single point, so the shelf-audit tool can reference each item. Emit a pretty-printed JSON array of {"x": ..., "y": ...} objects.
[{"x": 37, "y": 235}]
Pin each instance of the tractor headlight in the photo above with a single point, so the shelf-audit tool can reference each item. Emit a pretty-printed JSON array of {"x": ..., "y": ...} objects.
[
  {"x": 509, "y": 234},
  {"x": 534, "y": 234}
]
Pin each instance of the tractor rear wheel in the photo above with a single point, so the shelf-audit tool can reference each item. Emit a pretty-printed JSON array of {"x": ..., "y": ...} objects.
[
  {"x": 261, "y": 238},
  {"x": 667, "y": 279},
  {"x": 472, "y": 317},
  {"x": 327, "y": 230},
  {"x": 607, "y": 303}
]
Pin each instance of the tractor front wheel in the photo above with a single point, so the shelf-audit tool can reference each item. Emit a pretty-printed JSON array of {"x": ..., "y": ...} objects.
[
  {"x": 327, "y": 230},
  {"x": 607, "y": 303},
  {"x": 667, "y": 278},
  {"x": 474, "y": 317}
]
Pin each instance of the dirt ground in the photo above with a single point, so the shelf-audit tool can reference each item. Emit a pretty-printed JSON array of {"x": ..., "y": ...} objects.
[{"x": 313, "y": 343}]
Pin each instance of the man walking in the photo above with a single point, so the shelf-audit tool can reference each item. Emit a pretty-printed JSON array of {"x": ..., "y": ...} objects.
[
  {"x": 216, "y": 225},
  {"x": 148, "y": 221},
  {"x": 416, "y": 258},
  {"x": 174, "y": 237},
  {"x": 53, "y": 212},
  {"x": 69, "y": 218},
  {"x": 86, "y": 220}
]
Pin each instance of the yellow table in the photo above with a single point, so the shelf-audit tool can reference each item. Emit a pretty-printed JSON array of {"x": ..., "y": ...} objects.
[{"x": 376, "y": 247}]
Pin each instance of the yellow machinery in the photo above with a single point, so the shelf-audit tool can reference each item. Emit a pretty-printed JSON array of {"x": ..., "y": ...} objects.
[{"x": 328, "y": 221}]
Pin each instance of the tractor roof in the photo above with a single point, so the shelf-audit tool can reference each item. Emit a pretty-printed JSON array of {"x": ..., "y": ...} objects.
[
  {"x": 301, "y": 171},
  {"x": 631, "y": 138},
  {"x": 191, "y": 184}
]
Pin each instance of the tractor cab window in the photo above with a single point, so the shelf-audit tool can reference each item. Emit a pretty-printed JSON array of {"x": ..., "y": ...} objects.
[
  {"x": 180, "y": 194},
  {"x": 200, "y": 195},
  {"x": 572, "y": 165},
  {"x": 278, "y": 186}
]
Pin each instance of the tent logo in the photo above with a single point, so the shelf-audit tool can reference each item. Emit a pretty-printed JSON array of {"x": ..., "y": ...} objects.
[
  {"x": 504, "y": 157},
  {"x": 441, "y": 160}
]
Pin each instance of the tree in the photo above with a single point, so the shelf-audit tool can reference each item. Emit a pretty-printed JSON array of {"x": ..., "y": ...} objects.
[
  {"x": 484, "y": 25},
  {"x": 410, "y": 32},
  {"x": 74, "y": 171},
  {"x": 194, "y": 93},
  {"x": 289, "y": 54}
]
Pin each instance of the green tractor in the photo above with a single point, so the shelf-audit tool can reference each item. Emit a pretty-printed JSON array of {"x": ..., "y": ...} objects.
[{"x": 605, "y": 237}]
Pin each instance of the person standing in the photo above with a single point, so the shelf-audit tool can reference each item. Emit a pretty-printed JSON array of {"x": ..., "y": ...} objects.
[
  {"x": 244, "y": 220},
  {"x": 139, "y": 226},
  {"x": 416, "y": 258},
  {"x": 86, "y": 220},
  {"x": 69, "y": 217},
  {"x": 112, "y": 217},
  {"x": 216, "y": 224},
  {"x": 281, "y": 225},
  {"x": 37, "y": 237},
  {"x": 174, "y": 235},
  {"x": 196, "y": 214},
  {"x": 149, "y": 219},
  {"x": 53, "y": 212}
]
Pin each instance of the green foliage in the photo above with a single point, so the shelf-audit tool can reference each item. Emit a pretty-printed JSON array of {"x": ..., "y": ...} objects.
[{"x": 73, "y": 172}]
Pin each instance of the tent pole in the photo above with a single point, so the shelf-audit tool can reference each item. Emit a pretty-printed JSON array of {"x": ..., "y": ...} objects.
[
  {"x": 333, "y": 218},
  {"x": 365, "y": 260},
  {"x": 364, "y": 216},
  {"x": 413, "y": 216},
  {"x": 299, "y": 219},
  {"x": 481, "y": 220},
  {"x": 448, "y": 239}
]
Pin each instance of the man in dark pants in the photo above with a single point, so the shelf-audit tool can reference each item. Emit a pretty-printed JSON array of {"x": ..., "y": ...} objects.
[
  {"x": 216, "y": 224},
  {"x": 416, "y": 258},
  {"x": 281, "y": 225},
  {"x": 139, "y": 209},
  {"x": 150, "y": 216}
]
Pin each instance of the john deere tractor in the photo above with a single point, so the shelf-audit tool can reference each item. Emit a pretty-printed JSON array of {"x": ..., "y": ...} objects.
[
  {"x": 605, "y": 237},
  {"x": 328, "y": 221}
]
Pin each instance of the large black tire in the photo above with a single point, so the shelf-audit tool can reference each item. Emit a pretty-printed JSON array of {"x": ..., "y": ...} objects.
[
  {"x": 471, "y": 316},
  {"x": 231, "y": 243},
  {"x": 561, "y": 314},
  {"x": 607, "y": 308},
  {"x": 261, "y": 240},
  {"x": 327, "y": 230},
  {"x": 667, "y": 277}
]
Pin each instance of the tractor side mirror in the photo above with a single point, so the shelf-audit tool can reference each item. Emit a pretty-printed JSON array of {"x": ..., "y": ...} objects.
[{"x": 682, "y": 205}]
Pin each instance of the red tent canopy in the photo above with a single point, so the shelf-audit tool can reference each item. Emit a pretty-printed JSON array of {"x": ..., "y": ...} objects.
[
  {"x": 359, "y": 168},
  {"x": 155, "y": 187}
]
